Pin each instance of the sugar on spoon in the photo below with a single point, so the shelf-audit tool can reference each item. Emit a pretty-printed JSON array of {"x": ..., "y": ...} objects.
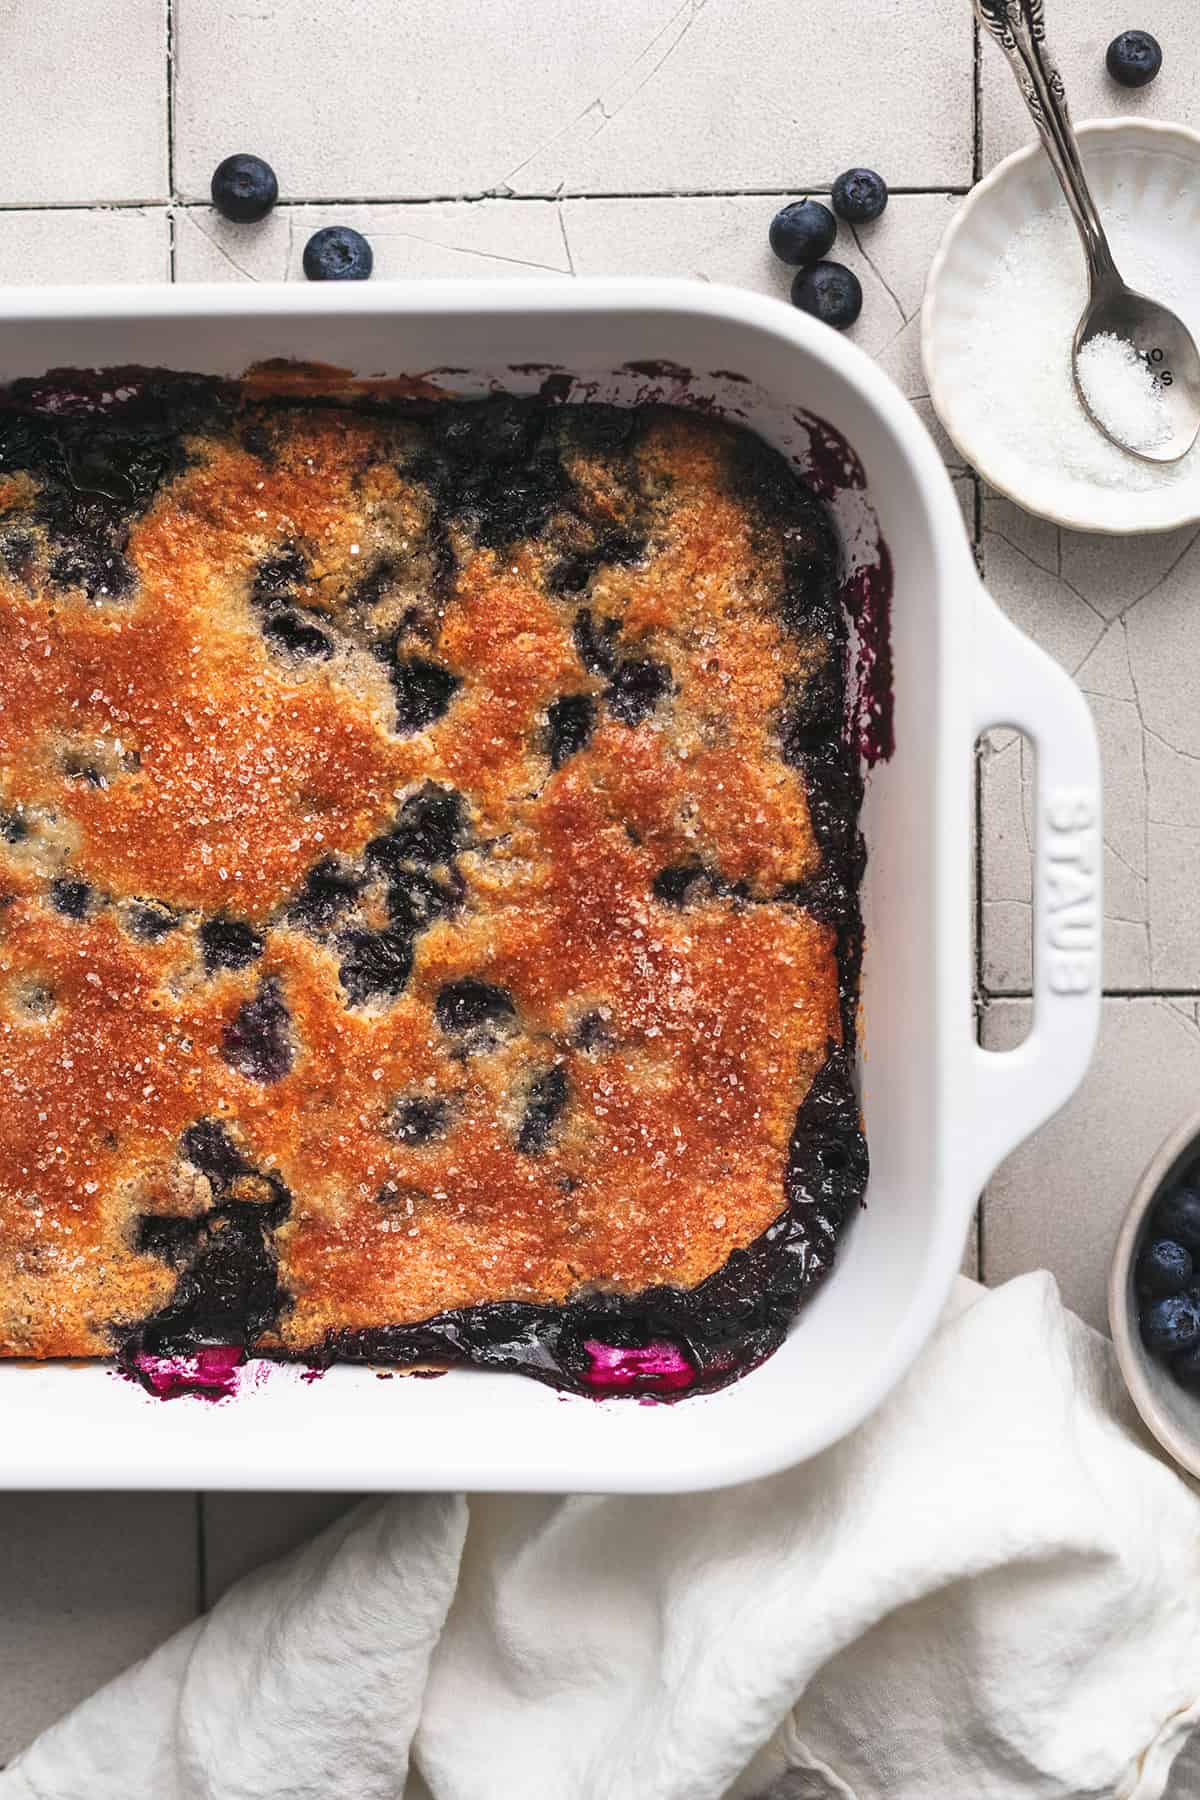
[{"x": 1168, "y": 407}]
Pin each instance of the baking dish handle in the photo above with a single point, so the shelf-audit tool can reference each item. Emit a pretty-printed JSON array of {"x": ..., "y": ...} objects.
[{"x": 1017, "y": 684}]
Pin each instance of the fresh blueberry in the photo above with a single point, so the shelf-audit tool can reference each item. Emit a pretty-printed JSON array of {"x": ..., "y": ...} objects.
[
  {"x": 338, "y": 253},
  {"x": 859, "y": 196},
  {"x": 803, "y": 232},
  {"x": 1171, "y": 1324},
  {"x": 244, "y": 188},
  {"x": 1178, "y": 1216},
  {"x": 258, "y": 1042},
  {"x": 1186, "y": 1368},
  {"x": 1134, "y": 58},
  {"x": 1164, "y": 1267},
  {"x": 830, "y": 292}
]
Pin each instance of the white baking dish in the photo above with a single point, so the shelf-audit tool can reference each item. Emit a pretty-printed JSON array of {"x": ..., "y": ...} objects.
[{"x": 940, "y": 1112}]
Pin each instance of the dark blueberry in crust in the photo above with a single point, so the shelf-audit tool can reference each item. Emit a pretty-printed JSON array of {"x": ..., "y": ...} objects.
[
  {"x": 830, "y": 292},
  {"x": 258, "y": 1043},
  {"x": 13, "y": 828},
  {"x": 547, "y": 1098},
  {"x": 279, "y": 575},
  {"x": 208, "y": 1147},
  {"x": 244, "y": 188},
  {"x": 152, "y": 920},
  {"x": 17, "y": 550},
  {"x": 1171, "y": 1324},
  {"x": 424, "y": 691},
  {"x": 591, "y": 1033},
  {"x": 569, "y": 725},
  {"x": 1178, "y": 1217},
  {"x": 814, "y": 713},
  {"x": 1134, "y": 58},
  {"x": 228, "y": 944},
  {"x": 636, "y": 689},
  {"x": 595, "y": 641},
  {"x": 415, "y": 900},
  {"x": 803, "y": 232},
  {"x": 1164, "y": 1267},
  {"x": 228, "y": 1293},
  {"x": 338, "y": 253},
  {"x": 69, "y": 897},
  {"x": 574, "y": 572},
  {"x": 167, "y": 1236},
  {"x": 859, "y": 196},
  {"x": 419, "y": 1119},
  {"x": 677, "y": 885},
  {"x": 328, "y": 890},
  {"x": 375, "y": 965},
  {"x": 432, "y": 828},
  {"x": 293, "y": 634},
  {"x": 475, "y": 1011}
]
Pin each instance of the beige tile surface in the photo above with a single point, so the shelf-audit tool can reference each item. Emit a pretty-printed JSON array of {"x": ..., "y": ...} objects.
[
  {"x": 88, "y": 1583},
  {"x": 125, "y": 244},
  {"x": 450, "y": 98},
  {"x": 85, "y": 101}
]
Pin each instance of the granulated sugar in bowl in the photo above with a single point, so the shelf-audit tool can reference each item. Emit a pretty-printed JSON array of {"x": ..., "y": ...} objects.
[{"x": 1004, "y": 298}]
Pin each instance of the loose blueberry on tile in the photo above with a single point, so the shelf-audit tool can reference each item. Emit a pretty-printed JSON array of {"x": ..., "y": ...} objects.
[
  {"x": 569, "y": 725},
  {"x": 803, "y": 232},
  {"x": 419, "y": 1119},
  {"x": 476, "y": 1012},
  {"x": 1171, "y": 1324},
  {"x": 327, "y": 892},
  {"x": 1178, "y": 1216},
  {"x": 830, "y": 292},
  {"x": 208, "y": 1147},
  {"x": 547, "y": 1098},
  {"x": 258, "y": 1042},
  {"x": 1134, "y": 58},
  {"x": 375, "y": 965},
  {"x": 636, "y": 689},
  {"x": 244, "y": 188},
  {"x": 859, "y": 196},
  {"x": 595, "y": 641},
  {"x": 295, "y": 635},
  {"x": 424, "y": 691},
  {"x": 69, "y": 897},
  {"x": 228, "y": 944},
  {"x": 1164, "y": 1267},
  {"x": 152, "y": 920},
  {"x": 338, "y": 253}
]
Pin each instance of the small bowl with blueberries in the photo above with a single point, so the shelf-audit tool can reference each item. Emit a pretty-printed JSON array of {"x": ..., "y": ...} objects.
[{"x": 1154, "y": 1297}]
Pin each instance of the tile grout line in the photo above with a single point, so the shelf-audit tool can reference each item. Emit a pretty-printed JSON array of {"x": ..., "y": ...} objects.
[
  {"x": 977, "y": 101},
  {"x": 178, "y": 202},
  {"x": 170, "y": 73}
]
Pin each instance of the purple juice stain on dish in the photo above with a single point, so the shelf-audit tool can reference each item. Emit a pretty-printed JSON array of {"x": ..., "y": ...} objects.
[
  {"x": 657, "y": 1367},
  {"x": 831, "y": 465},
  {"x": 867, "y": 596},
  {"x": 211, "y": 1374}
]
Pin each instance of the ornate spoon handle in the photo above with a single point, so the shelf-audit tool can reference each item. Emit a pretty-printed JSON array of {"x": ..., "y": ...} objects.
[{"x": 1019, "y": 28}]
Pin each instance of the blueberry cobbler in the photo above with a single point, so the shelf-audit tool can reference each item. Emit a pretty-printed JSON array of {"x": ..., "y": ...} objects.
[{"x": 428, "y": 883}]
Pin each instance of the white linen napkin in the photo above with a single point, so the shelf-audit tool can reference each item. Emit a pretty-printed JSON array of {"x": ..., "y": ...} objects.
[{"x": 990, "y": 1591}]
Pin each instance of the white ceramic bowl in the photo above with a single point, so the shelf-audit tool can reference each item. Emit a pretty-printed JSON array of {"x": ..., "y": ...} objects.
[
  {"x": 1171, "y": 1411},
  {"x": 1135, "y": 166},
  {"x": 940, "y": 1111}
]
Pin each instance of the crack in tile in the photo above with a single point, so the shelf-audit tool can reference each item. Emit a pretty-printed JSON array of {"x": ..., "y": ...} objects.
[
  {"x": 520, "y": 262},
  {"x": 693, "y": 9},
  {"x": 562, "y": 226},
  {"x": 223, "y": 253},
  {"x": 881, "y": 278},
  {"x": 1159, "y": 580}
]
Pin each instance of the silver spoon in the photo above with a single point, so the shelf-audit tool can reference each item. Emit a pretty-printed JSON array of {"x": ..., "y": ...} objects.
[{"x": 1163, "y": 341}]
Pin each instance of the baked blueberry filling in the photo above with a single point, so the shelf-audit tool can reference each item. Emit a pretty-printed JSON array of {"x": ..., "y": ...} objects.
[
  {"x": 258, "y": 1042},
  {"x": 424, "y": 691},
  {"x": 569, "y": 725}
]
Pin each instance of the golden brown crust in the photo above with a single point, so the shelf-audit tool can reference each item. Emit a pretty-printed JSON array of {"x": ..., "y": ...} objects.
[{"x": 155, "y": 747}]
